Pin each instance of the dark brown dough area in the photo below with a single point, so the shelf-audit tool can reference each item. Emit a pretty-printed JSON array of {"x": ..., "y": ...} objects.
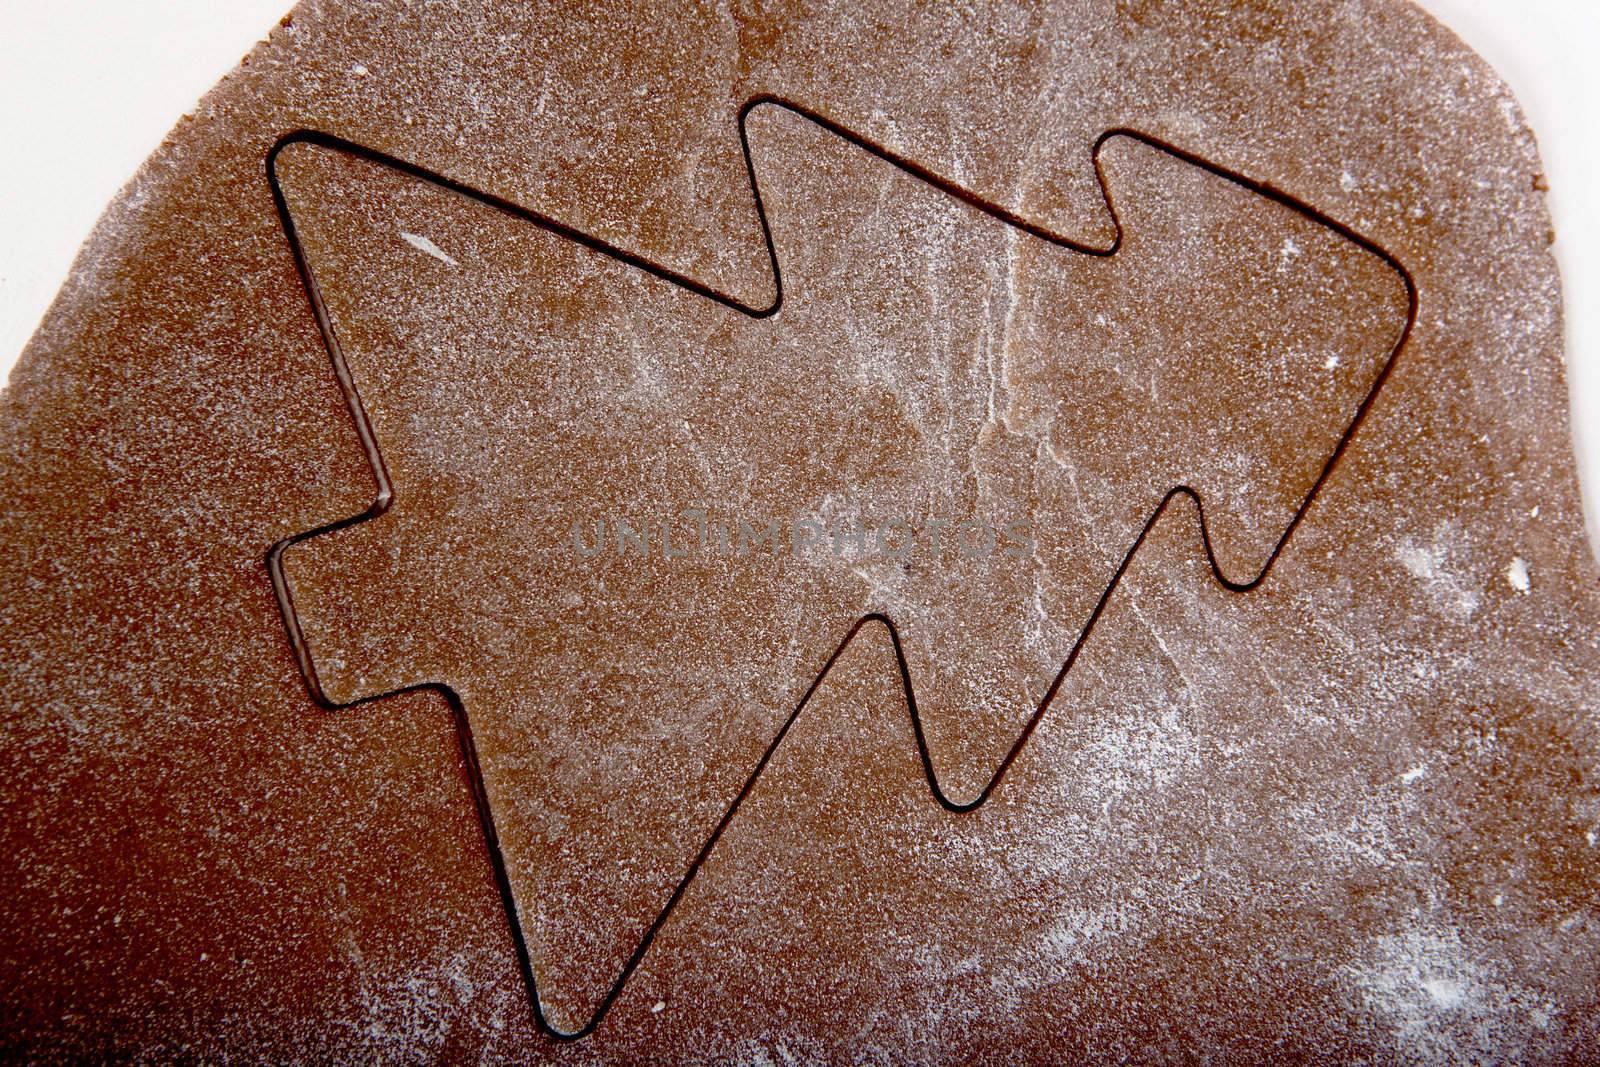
[{"x": 1350, "y": 813}]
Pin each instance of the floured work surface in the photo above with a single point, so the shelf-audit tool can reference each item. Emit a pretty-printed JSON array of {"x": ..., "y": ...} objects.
[{"x": 613, "y": 683}]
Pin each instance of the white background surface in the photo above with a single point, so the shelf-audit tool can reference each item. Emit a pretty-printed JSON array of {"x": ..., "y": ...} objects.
[{"x": 91, "y": 86}]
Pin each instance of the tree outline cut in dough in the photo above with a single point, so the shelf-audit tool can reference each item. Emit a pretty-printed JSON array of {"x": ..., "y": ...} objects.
[{"x": 385, "y": 497}]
